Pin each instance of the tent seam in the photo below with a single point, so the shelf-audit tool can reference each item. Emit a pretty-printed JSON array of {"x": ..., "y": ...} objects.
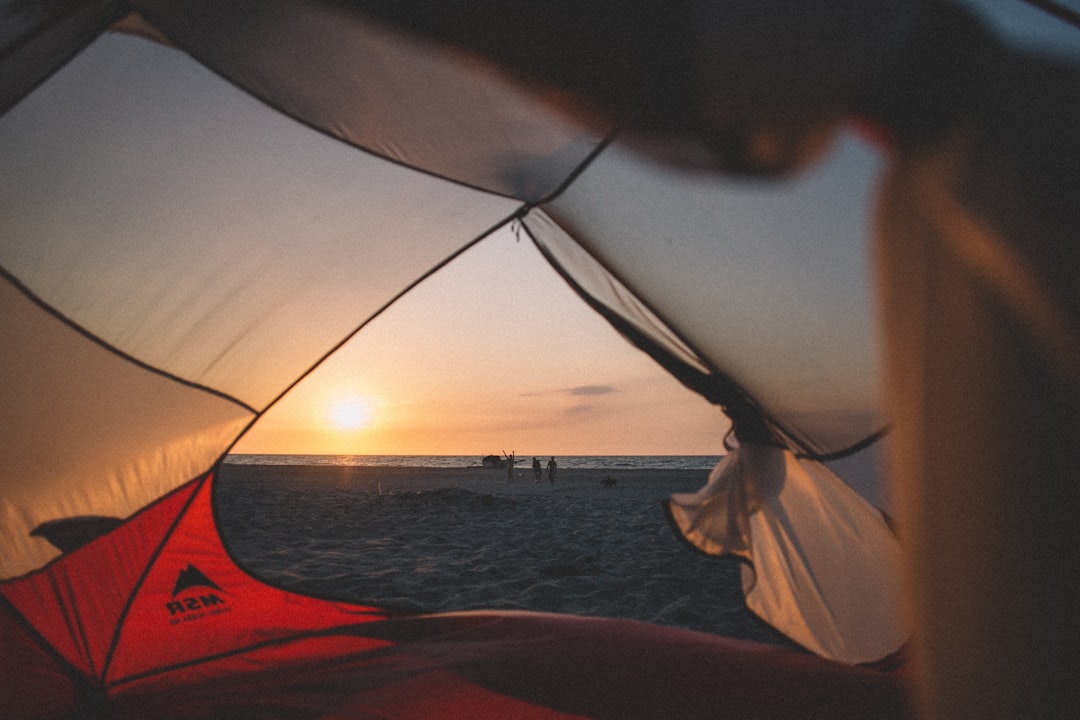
[
  {"x": 499, "y": 224},
  {"x": 147, "y": 14},
  {"x": 325, "y": 632},
  {"x": 109, "y": 347},
  {"x": 77, "y": 675},
  {"x": 151, "y": 560}
]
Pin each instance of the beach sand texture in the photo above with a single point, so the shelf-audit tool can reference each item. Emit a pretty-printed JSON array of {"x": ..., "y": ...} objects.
[{"x": 419, "y": 539}]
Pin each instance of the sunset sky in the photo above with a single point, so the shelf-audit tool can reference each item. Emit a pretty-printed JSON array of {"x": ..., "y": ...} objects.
[{"x": 494, "y": 353}]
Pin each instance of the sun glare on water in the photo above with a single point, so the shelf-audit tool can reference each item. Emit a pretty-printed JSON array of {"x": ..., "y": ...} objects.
[{"x": 350, "y": 413}]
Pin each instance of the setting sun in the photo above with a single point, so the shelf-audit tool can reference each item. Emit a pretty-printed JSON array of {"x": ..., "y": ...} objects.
[
  {"x": 350, "y": 412},
  {"x": 448, "y": 370}
]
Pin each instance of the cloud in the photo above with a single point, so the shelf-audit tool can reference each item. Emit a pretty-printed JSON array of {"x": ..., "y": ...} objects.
[
  {"x": 591, "y": 390},
  {"x": 578, "y": 391}
]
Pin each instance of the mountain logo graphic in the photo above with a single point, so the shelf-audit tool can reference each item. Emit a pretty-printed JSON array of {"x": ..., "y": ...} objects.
[
  {"x": 193, "y": 577},
  {"x": 195, "y": 597}
]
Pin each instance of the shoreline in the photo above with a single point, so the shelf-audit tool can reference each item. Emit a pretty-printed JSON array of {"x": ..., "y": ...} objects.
[{"x": 404, "y": 477}]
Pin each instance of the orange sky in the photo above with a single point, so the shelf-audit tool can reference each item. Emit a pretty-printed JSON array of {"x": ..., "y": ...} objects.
[{"x": 494, "y": 353}]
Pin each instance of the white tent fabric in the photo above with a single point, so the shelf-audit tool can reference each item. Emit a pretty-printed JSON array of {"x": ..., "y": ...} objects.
[
  {"x": 829, "y": 575},
  {"x": 145, "y": 435}
]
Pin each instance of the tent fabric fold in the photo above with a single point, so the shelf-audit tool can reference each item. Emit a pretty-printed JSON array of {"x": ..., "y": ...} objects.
[{"x": 821, "y": 561}]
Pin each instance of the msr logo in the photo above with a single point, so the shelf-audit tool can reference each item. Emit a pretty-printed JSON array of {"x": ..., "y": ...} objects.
[
  {"x": 192, "y": 577},
  {"x": 195, "y": 596}
]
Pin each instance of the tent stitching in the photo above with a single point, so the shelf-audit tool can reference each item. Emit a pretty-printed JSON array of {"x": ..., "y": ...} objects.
[
  {"x": 78, "y": 632},
  {"x": 342, "y": 630},
  {"x": 715, "y": 386},
  {"x": 325, "y": 132},
  {"x": 350, "y": 335},
  {"x": 150, "y": 562},
  {"x": 576, "y": 172},
  {"x": 44, "y": 644},
  {"x": 689, "y": 376},
  {"x": 84, "y": 686},
  {"x": 849, "y": 450},
  {"x": 104, "y": 344}
]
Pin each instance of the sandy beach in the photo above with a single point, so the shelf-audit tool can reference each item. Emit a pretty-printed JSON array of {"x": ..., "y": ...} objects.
[{"x": 417, "y": 539}]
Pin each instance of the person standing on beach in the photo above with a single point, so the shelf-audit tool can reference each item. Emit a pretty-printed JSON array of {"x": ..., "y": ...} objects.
[
  {"x": 553, "y": 467},
  {"x": 509, "y": 466},
  {"x": 536, "y": 469}
]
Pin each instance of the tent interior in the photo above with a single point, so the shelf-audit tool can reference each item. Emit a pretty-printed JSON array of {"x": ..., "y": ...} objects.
[{"x": 865, "y": 240}]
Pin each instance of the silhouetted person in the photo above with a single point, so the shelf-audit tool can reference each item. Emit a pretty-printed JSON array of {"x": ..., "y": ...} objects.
[
  {"x": 536, "y": 469},
  {"x": 553, "y": 468},
  {"x": 509, "y": 466}
]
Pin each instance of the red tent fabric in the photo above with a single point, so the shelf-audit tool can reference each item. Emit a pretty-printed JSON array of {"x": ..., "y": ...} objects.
[
  {"x": 161, "y": 592},
  {"x": 154, "y": 619}
]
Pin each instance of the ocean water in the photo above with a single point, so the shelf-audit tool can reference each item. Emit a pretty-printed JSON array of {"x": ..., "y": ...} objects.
[
  {"x": 594, "y": 462},
  {"x": 442, "y": 540}
]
